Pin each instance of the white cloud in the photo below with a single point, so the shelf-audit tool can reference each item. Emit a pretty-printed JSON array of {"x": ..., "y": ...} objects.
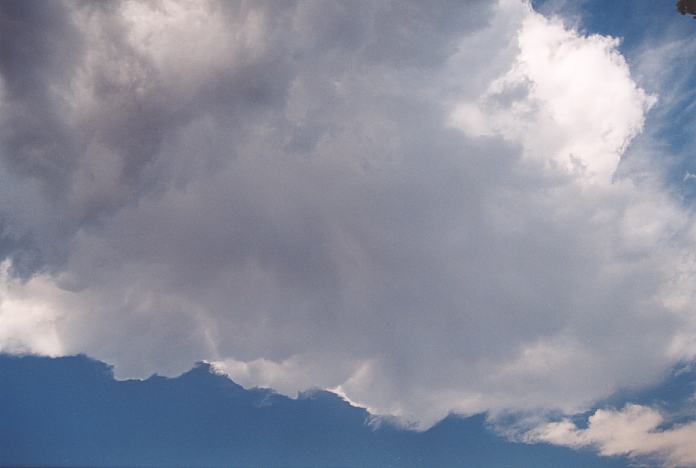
[
  {"x": 426, "y": 218},
  {"x": 634, "y": 431},
  {"x": 28, "y": 315},
  {"x": 568, "y": 99}
]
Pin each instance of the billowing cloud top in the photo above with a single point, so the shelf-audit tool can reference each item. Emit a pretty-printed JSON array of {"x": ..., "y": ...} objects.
[{"x": 415, "y": 205}]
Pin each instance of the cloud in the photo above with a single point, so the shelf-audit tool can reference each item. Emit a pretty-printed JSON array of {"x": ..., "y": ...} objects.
[
  {"x": 634, "y": 431},
  {"x": 560, "y": 82},
  {"x": 427, "y": 219},
  {"x": 28, "y": 315}
]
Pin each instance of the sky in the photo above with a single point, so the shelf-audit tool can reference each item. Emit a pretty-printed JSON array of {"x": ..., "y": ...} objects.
[
  {"x": 433, "y": 211},
  {"x": 204, "y": 419}
]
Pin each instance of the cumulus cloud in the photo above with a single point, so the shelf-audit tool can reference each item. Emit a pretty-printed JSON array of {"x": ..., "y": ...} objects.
[
  {"x": 416, "y": 205},
  {"x": 634, "y": 431},
  {"x": 561, "y": 81},
  {"x": 28, "y": 315}
]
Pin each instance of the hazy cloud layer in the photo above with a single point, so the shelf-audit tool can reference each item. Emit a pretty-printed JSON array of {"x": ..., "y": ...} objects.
[{"x": 414, "y": 205}]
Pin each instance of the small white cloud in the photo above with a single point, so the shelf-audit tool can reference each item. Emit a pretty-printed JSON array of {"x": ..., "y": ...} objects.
[{"x": 633, "y": 431}]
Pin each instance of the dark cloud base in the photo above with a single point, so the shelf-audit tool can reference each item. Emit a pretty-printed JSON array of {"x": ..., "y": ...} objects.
[{"x": 71, "y": 412}]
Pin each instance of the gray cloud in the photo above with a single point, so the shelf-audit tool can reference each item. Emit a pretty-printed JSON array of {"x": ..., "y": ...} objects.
[{"x": 283, "y": 189}]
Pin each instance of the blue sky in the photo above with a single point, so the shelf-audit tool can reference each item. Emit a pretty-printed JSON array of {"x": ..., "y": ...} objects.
[
  {"x": 469, "y": 221},
  {"x": 202, "y": 419}
]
